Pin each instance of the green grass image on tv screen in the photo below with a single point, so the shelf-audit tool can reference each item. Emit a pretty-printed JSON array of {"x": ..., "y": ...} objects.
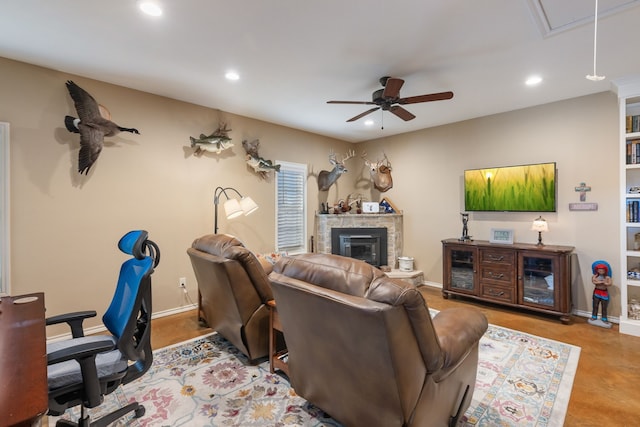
[{"x": 528, "y": 188}]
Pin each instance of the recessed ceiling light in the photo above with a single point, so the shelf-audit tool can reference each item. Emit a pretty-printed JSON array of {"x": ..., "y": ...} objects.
[
  {"x": 150, "y": 8},
  {"x": 232, "y": 75},
  {"x": 533, "y": 80}
]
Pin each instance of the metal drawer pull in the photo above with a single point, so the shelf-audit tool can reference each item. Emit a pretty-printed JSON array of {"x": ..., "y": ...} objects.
[
  {"x": 497, "y": 276},
  {"x": 496, "y": 258}
]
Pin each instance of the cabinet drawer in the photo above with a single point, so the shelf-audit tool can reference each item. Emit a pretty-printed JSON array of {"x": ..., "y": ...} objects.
[
  {"x": 499, "y": 293},
  {"x": 498, "y": 256},
  {"x": 498, "y": 274}
]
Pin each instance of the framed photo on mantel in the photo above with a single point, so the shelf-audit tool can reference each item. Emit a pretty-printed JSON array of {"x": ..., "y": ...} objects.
[{"x": 501, "y": 235}]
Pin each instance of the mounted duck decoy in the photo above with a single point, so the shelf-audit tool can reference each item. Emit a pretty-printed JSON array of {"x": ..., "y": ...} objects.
[{"x": 93, "y": 124}]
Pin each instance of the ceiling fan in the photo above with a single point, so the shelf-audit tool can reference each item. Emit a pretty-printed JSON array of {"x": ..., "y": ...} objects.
[{"x": 388, "y": 99}]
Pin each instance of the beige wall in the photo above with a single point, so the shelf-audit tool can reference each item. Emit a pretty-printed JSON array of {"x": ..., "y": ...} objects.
[
  {"x": 65, "y": 227},
  {"x": 580, "y": 135}
]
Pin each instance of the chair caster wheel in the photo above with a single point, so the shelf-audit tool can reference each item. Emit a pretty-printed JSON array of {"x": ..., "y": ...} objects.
[{"x": 139, "y": 412}]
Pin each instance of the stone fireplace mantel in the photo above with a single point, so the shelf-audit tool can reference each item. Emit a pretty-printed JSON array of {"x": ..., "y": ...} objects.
[{"x": 392, "y": 222}]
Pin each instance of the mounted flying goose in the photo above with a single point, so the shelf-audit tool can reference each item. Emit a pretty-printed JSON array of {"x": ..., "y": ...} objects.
[{"x": 93, "y": 125}]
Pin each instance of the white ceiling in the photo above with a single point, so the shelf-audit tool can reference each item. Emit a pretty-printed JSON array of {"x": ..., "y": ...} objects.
[{"x": 294, "y": 55}]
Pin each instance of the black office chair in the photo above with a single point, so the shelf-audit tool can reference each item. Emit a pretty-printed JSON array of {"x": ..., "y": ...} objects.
[{"x": 82, "y": 370}]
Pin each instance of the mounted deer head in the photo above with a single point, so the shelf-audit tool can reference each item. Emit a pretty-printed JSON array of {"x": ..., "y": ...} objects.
[
  {"x": 380, "y": 172},
  {"x": 326, "y": 178}
]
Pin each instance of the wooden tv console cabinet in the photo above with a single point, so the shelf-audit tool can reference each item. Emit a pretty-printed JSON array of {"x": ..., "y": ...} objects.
[{"x": 533, "y": 277}]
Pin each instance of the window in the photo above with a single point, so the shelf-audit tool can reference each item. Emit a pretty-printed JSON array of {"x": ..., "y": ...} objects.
[
  {"x": 291, "y": 212},
  {"x": 4, "y": 208}
]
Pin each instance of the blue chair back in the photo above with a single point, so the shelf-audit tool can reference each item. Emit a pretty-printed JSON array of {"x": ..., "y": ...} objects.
[{"x": 128, "y": 317}]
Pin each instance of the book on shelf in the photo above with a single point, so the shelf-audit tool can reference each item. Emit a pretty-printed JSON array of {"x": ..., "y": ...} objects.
[
  {"x": 632, "y": 123},
  {"x": 633, "y": 211},
  {"x": 633, "y": 152}
]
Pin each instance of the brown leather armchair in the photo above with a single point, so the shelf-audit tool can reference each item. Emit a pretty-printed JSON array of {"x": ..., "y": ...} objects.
[
  {"x": 363, "y": 347},
  {"x": 233, "y": 289}
]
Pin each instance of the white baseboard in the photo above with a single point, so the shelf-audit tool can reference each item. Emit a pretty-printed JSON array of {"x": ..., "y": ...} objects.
[
  {"x": 432, "y": 284},
  {"x": 630, "y": 328},
  {"x": 583, "y": 313},
  {"x": 101, "y": 328},
  {"x": 175, "y": 310}
]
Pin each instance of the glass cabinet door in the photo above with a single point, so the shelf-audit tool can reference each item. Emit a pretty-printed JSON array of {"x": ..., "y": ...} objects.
[
  {"x": 462, "y": 264},
  {"x": 538, "y": 280}
]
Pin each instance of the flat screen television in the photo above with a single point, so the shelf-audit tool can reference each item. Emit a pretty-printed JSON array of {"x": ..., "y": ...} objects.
[{"x": 523, "y": 188}]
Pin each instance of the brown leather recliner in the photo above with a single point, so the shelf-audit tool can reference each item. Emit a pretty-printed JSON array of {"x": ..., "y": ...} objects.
[
  {"x": 363, "y": 347},
  {"x": 233, "y": 289}
]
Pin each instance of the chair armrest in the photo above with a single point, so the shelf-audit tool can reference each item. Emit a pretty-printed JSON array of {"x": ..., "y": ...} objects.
[
  {"x": 80, "y": 351},
  {"x": 74, "y": 320},
  {"x": 459, "y": 330},
  {"x": 85, "y": 354}
]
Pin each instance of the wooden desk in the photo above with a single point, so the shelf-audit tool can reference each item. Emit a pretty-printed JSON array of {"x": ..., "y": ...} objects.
[
  {"x": 23, "y": 360},
  {"x": 277, "y": 359}
]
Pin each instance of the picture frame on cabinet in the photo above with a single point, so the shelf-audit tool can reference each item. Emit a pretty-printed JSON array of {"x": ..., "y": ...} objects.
[{"x": 501, "y": 235}]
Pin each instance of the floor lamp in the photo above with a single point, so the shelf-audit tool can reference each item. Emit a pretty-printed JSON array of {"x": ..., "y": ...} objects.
[{"x": 232, "y": 207}]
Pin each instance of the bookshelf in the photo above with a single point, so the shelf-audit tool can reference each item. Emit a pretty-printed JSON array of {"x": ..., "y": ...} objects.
[{"x": 628, "y": 91}]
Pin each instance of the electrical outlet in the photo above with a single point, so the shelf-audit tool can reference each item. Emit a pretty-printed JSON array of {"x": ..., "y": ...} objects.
[{"x": 182, "y": 282}]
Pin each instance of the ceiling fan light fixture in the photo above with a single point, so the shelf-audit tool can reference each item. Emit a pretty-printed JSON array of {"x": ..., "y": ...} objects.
[{"x": 388, "y": 99}]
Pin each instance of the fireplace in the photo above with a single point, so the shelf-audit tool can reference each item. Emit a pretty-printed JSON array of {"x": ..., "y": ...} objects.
[
  {"x": 367, "y": 244},
  {"x": 391, "y": 222}
]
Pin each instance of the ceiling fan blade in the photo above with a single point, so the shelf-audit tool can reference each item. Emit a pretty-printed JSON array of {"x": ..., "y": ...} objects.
[
  {"x": 402, "y": 113},
  {"x": 359, "y": 116},
  {"x": 392, "y": 88},
  {"x": 440, "y": 96},
  {"x": 351, "y": 102}
]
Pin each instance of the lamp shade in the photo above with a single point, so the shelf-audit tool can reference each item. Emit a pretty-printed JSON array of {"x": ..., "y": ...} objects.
[
  {"x": 232, "y": 208},
  {"x": 248, "y": 205},
  {"x": 540, "y": 224}
]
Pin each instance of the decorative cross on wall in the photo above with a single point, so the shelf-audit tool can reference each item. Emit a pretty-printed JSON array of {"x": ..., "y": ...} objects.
[{"x": 583, "y": 188}]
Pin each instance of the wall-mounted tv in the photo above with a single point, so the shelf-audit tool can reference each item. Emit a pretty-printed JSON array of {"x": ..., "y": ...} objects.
[{"x": 524, "y": 188}]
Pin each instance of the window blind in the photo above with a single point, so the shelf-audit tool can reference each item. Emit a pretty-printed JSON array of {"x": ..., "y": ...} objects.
[{"x": 291, "y": 192}]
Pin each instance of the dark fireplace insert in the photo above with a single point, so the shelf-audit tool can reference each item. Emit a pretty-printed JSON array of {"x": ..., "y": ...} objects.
[{"x": 366, "y": 244}]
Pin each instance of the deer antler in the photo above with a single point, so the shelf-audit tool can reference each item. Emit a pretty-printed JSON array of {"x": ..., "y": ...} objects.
[
  {"x": 386, "y": 160},
  {"x": 350, "y": 154},
  {"x": 332, "y": 157},
  {"x": 364, "y": 157}
]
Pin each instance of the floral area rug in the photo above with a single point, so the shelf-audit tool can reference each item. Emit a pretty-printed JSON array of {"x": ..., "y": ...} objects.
[
  {"x": 523, "y": 380},
  {"x": 208, "y": 382}
]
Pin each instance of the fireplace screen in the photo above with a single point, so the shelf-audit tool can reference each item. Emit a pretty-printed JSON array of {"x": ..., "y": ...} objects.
[{"x": 366, "y": 244}]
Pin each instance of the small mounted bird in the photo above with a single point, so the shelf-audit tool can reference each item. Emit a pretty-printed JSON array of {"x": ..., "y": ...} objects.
[{"x": 93, "y": 124}]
